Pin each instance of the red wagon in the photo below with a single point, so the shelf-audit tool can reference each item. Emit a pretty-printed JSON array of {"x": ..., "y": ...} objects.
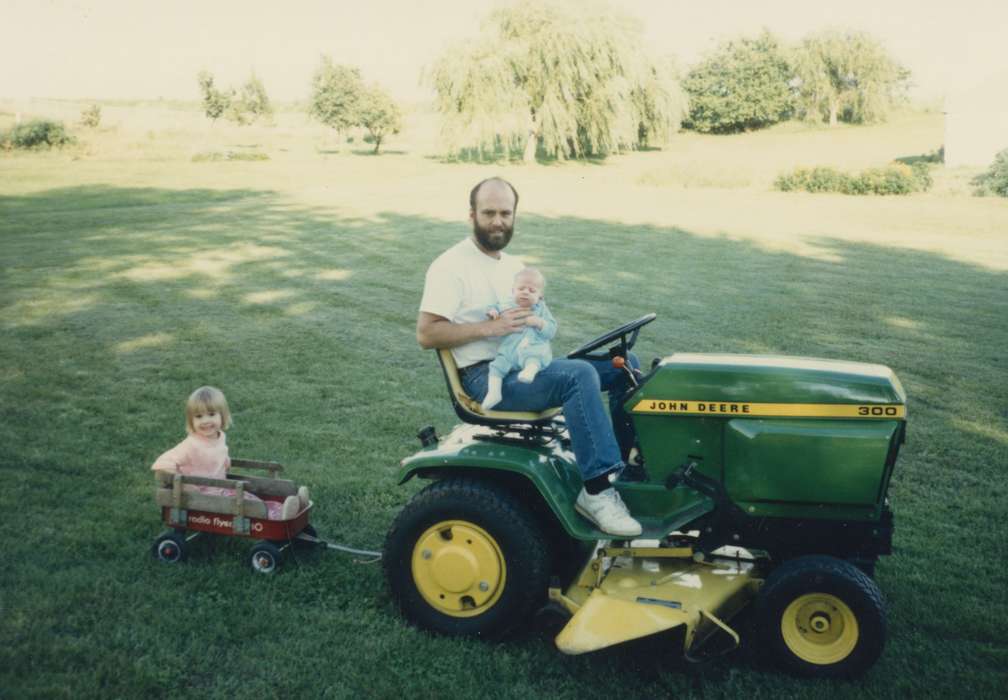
[{"x": 189, "y": 513}]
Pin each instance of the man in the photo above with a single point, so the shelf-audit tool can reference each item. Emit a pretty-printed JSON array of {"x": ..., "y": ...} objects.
[{"x": 475, "y": 274}]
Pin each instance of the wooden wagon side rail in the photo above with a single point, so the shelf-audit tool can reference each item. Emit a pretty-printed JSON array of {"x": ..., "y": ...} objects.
[{"x": 272, "y": 467}]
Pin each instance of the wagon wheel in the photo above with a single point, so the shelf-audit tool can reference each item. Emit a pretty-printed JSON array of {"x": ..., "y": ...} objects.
[
  {"x": 465, "y": 557},
  {"x": 821, "y": 616},
  {"x": 171, "y": 548},
  {"x": 265, "y": 558}
]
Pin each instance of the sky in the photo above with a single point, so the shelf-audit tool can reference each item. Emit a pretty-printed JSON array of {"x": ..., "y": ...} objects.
[{"x": 142, "y": 49}]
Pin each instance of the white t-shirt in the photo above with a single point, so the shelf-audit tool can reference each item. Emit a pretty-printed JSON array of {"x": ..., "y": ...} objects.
[{"x": 461, "y": 283}]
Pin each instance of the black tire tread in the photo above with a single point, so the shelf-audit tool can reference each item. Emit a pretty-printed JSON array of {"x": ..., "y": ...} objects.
[
  {"x": 490, "y": 503},
  {"x": 798, "y": 573}
]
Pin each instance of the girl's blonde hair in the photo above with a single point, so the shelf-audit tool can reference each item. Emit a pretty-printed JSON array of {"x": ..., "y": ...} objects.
[{"x": 203, "y": 400}]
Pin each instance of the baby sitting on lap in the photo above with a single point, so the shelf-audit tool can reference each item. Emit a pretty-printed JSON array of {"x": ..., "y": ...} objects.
[{"x": 527, "y": 350}]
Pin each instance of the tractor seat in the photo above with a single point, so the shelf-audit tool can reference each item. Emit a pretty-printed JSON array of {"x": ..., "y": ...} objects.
[{"x": 469, "y": 409}]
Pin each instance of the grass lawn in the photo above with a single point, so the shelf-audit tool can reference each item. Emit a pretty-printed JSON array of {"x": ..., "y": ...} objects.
[{"x": 129, "y": 275}]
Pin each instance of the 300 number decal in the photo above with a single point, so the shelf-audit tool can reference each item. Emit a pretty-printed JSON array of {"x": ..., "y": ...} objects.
[{"x": 877, "y": 411}]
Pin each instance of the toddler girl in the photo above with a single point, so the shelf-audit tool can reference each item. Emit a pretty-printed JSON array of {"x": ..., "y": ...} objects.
[
  {"x": 527, "y": 350},
  {"x": 204, "y": 452}
]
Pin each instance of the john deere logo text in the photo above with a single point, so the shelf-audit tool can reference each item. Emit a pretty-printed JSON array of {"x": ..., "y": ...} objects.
[
  {"x": 798, "y": 410},
  {"x": 695, "y": 407}
]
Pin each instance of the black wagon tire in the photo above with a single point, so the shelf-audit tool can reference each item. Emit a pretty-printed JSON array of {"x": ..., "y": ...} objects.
[
  {"x": 466, "y": 557},
  {"x": 265, "y": 558},
  {"x": 822, "y": 617},
  {"x": 170, "y": 548}
]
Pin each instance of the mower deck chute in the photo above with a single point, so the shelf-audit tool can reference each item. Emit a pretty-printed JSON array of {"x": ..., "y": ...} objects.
[{"x": 633, "y": 592}]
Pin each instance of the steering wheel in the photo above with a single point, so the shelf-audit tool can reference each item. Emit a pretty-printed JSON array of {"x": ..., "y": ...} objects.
[{"x": 631, "y": 329}]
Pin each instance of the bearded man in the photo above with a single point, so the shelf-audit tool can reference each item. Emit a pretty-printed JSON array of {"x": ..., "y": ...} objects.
[{"x": 476, "y": 274}]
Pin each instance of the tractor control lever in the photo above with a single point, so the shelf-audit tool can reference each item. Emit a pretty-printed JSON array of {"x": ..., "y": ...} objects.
[
  {"x": 619, "y": 362},
  {"x": 688, "y": 474}
]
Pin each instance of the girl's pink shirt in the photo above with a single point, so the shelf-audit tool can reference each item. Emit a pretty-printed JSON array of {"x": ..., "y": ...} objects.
[{"x": 197, "y": 456}]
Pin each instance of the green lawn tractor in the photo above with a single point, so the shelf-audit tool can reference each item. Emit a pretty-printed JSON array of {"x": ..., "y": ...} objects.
[{"x": 764, "y": 482}]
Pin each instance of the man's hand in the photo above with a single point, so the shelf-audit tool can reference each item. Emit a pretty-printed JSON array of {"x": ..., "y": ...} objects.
[
  {"x": 510, "y": 321},
  {"x": 435, "y": 331}
]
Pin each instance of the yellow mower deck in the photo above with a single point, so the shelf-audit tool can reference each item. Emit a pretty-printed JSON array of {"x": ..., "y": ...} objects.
[{"x": 625, "y": 593}]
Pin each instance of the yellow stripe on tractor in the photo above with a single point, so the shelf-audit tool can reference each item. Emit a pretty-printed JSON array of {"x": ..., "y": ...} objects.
[{"x": 691, "y": 407}]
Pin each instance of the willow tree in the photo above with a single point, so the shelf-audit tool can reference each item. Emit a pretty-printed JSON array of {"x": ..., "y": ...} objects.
[
  {"x": 846, "y": 76},
  {"x": 570, "y": 79}
]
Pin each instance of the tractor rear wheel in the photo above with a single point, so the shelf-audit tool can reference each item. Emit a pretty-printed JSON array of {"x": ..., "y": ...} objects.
[
  {"x": 465, "y": 557},
  {"x": 821, "y": 616}
]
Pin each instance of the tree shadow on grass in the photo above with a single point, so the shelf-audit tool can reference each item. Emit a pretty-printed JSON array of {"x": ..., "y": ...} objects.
[
  {"x": 116, "y": 302},
  {"x": 382, "y": 152}
]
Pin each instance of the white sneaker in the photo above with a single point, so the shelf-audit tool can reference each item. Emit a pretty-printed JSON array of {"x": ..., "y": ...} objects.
[{"x": 608, "y": 511}]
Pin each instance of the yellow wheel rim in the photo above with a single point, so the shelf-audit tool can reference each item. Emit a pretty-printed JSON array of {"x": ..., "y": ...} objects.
[
  {"x": 820, "y": 628},
  {"x": 458, "y": 568}
]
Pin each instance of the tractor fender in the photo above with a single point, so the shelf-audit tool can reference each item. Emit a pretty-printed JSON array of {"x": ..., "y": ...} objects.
[{"x": 474, "y": 451}]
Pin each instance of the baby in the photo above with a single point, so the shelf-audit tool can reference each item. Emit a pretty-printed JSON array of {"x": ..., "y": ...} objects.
[
  {"x": 527, "y": 350},
  {"x": 204, "y": 452}
]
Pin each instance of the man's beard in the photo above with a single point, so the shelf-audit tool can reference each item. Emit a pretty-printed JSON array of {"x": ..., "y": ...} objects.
[{"x": 498, "y": 241}]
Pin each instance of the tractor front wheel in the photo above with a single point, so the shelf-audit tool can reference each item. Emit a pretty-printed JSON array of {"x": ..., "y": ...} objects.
[
  {"x": 821, "y": 616},
  {"x": 465, "y": 557}
]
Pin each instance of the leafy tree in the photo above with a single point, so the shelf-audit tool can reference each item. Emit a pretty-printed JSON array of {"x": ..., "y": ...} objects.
[
  {"x": 377, "y": 113},
  {"x": 570, "y": 80},
  {"x": 846, "y": 76},
  {"x": 251, "y": 103},
  {"x": 240, "y": 106},
  {"x": 215, "y": 102},
  {"x": 742, "y": 85},
  {"x": 336, "y": 94},
  {"x": 994, "y": 180}
]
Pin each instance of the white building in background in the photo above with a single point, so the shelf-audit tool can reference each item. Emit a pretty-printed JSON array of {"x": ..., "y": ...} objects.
[{"x": 976, "y": 122}]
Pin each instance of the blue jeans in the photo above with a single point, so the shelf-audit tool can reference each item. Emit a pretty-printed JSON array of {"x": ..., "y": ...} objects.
[{"x": 576, "y": 385}]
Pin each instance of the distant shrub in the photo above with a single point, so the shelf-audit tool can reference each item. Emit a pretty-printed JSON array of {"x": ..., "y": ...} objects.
[
  {"x": 36, "y": 134},
  {"x": 209, "y": 156},
  {"x": 995, "y": 180},
  {"x": 812, "y": 180},
  {"x": 895, "y": 178},
  {"x": 922, "y": 173},
  {"x": 91, "y": 116}
]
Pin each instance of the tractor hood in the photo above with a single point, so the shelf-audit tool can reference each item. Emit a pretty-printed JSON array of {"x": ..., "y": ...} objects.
[{"x": 734, "y": 384}]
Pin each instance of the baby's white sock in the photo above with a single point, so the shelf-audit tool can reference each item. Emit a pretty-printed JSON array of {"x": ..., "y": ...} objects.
[
  {"x": 493, "y": 395},
  {"x": 529, "y": 372}
]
